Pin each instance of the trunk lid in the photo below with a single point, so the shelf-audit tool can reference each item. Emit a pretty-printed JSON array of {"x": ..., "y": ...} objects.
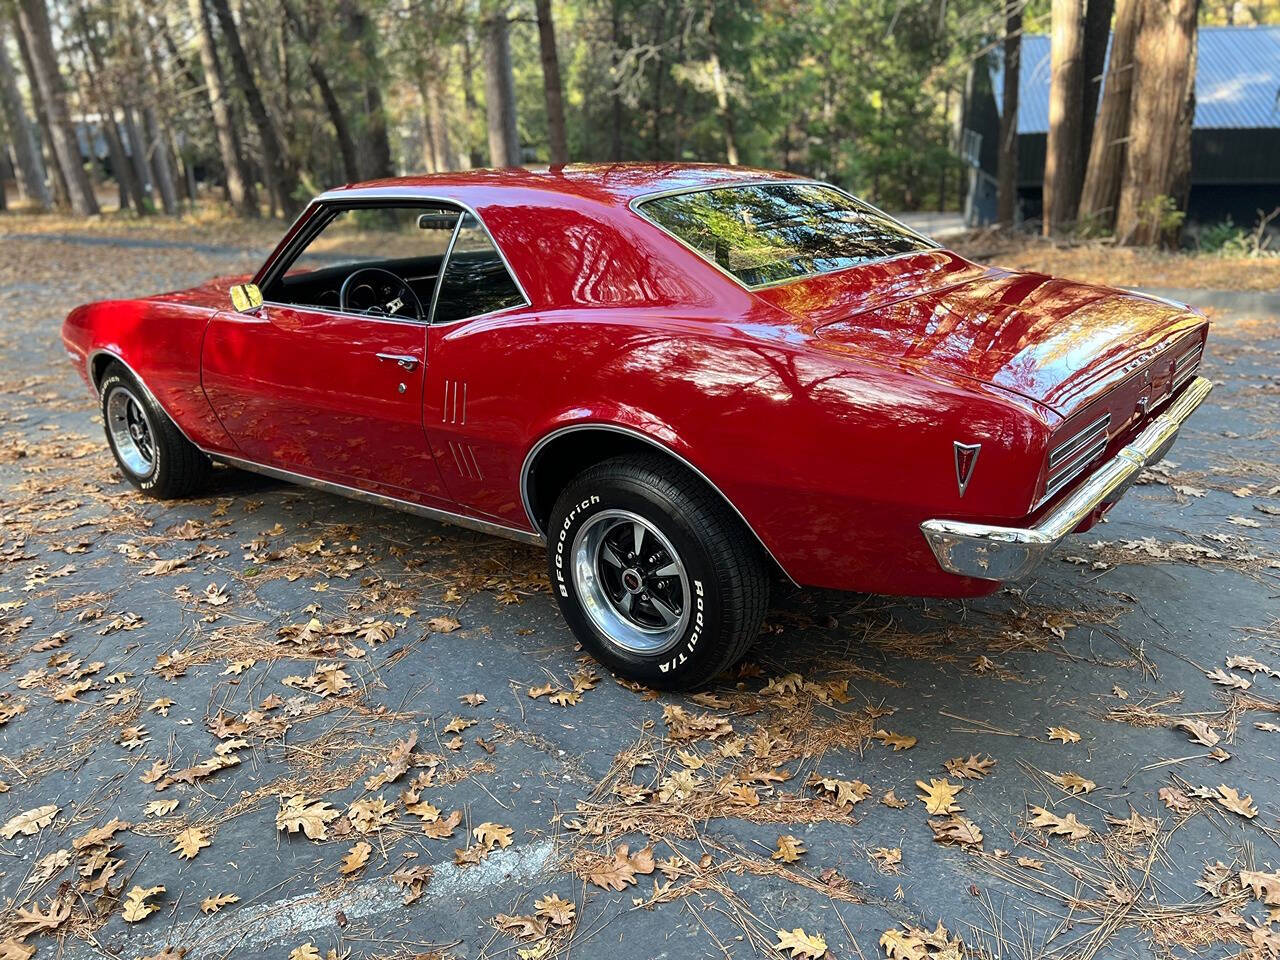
[{"x": 1060, "y": 343}]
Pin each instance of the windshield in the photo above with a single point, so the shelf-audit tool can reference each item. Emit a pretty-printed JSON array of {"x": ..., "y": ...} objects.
[{"x": 769, "y": 233}]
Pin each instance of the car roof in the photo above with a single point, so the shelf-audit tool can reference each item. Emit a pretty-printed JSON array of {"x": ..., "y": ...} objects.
[{"x": 613, "y": 183}]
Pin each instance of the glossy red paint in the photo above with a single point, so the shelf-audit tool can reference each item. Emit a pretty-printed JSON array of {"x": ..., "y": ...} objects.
[{"x": 825, "y": 410}]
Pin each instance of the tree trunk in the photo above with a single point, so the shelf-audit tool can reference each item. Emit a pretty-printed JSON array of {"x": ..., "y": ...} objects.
[
  {"x": 377, "y": 147},
  {"x": 437, "y": 123},
  {"x": 469, "y": 105},
  {"x": 551, "y": 91},
  {"x": 1007, "y": 159},
  {"x": 1107, "y": 149},
  {"x": 33, "y": 20},
  {"x": 281, "y": 177},
  {"x": 53, "y": 171},
  {"x": 346, "y": 146},
  {"x": 615, "y": 78},
  {"x": 240, "y": 189},
  {"x": 1097, "y": 31},
  {"x": 27, "y": 168},
  {"x": 721, "y": 90},
  {"x": 160, "y": 161},
  {"x": 1063, "y": 170},
  {"x": 499, "y": 92},
  {"x": 659, "y": 74},
  {"x": 1164, "y": 68}
]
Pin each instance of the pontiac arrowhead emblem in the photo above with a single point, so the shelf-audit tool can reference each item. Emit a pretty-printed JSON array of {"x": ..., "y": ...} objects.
[{"x": 966, "y": 460}]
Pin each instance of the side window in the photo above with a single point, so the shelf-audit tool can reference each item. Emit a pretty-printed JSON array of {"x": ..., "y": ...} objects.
[
  {"x": 406, "y": 241},
  {"x": 475, "y": 279}
]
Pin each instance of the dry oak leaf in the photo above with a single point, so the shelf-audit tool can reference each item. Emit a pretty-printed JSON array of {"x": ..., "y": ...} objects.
[
  {"x": 1031, "y": 863},
  {"x": 1224, "y": 679},
  {"x": 490, "y": 835},
  {"x": 13, "y": 950},
  {"x": 521, "y": 926},
  {"x": 99, "y": 835},
  {"x": 307, "y": 951},
  {"x": 135, "y": 903},
  {"x": 618, "y": 873},
  {"x": 1230, "y": 799},
  {"x": 189, "y": 842},
  {"x": 30, "y": 822},
  {"x": 443, "y": 829},
  {"x": 443, "y": 625},
  {"x": 801, "y": 944},
  {"x": 161, "y": 808},
  {"x": 1073, "y": 782},
  {"x": 371, "y": 814},
  {"x": 355, "y": 859},
  {"x": 1064, "y": 735},
  {"x": 939, "y": 795},
  {"x": 896, "y": 740},
  {"x": 845, "y": 793},
  {"x": 554, "y": 910},
  {"x": 312, "y": 817},
  {"x": 914, "y": 943},
  {"x": 887, "y": 858},
  {"x": 789, "y": 849},
  {"x": 1175, "y": 799},
  {"x": 542, "y": 691},
  {"x": 34, "y": 920},
  {"x": 1067, "y": 826},
  {"x": 1200, "y": 732},
  {"x": 1265, "y": 886},
  {"x": 974, "y": 768},
  {"x": 216, "y": 902},
  {"x": 957, "y": 830}
]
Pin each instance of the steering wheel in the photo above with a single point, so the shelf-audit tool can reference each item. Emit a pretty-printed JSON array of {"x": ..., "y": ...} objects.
[{"x": 381, "y": 293}]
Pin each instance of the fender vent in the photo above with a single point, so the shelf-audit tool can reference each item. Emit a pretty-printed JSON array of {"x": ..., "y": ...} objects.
[
  {"x": 455, "y": 402},
  {"x": 464, "y": 458}
]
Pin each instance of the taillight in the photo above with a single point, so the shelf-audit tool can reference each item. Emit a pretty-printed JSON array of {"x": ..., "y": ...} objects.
[{"x": 1070, "y": 459}]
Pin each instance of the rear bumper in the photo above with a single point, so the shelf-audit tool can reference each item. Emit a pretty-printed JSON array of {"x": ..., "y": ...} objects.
[{"x": 1010, "y": 553}]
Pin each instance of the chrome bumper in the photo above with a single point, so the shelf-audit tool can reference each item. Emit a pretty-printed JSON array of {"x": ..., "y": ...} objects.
[{"x": 1010, "y": 553}]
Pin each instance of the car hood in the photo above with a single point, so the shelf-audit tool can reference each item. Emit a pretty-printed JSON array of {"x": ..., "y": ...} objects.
[
  {"x": 213, "y": 294},
  {"x": 1054, "y": 341}
]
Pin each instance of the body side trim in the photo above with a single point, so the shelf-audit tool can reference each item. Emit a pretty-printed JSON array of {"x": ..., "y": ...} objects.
[
  {"x": 378, "y": 499},
  {"x": 657, "y": 444}
]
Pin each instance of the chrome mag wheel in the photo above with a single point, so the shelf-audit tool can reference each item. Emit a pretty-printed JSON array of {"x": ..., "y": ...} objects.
[
  {"x": 131, "y": 431},
  {"x": 631, "y": 582}
]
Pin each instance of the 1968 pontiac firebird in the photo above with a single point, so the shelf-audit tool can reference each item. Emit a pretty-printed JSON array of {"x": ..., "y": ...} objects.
[{"x": 687, "y": 381}]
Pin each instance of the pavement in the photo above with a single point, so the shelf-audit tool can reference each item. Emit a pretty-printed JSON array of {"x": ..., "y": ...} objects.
[{"x": 153, "y": 652}]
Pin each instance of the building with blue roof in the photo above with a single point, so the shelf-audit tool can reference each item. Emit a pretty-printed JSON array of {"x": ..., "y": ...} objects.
[{"x": 1235, "y": 140}]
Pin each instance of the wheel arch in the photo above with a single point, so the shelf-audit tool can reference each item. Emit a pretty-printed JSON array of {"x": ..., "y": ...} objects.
[
  {"x": 566, "y": 451},
  {"x": 96, "y": 365}
]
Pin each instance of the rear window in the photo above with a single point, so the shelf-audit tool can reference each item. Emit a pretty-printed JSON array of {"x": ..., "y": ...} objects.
[{"x": 770, "y": 233}]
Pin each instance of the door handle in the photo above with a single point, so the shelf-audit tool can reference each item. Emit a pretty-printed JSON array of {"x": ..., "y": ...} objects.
[{"x": 402, "y": 359}]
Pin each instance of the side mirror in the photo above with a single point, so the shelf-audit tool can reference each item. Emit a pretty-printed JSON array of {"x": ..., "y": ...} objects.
[{"x": 246, "y": 297}]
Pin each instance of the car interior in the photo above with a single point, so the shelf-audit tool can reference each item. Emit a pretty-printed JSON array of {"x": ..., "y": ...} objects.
[{"x": 354, "y": 264}]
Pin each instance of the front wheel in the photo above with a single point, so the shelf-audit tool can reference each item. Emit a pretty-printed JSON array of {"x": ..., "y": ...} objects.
[
  {"x": 656, "y": 576},
  {"x": 151, "y": 451}
]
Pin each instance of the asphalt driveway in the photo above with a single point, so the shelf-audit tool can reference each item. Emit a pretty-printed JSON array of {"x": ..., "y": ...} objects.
[{"x": 321, "y": 723}]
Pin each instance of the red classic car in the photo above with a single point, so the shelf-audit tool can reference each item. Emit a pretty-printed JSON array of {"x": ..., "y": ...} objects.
[{"x": 687, "y": 381}]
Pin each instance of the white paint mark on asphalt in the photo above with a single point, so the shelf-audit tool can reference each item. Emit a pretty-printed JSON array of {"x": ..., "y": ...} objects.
[{"x": 288, "y": 919}]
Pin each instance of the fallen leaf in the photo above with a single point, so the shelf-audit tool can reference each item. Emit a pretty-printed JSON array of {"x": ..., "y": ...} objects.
[
  {"x": 554, "y": 909},
  {"x": 355, "y": 859},
  {"x": 30, "y": 822},
  {"x": 1200, "y": 732},
  {"x": 189, "y": 842},
  {"x": 789, "y": 849},
  {"x": 135, "y": 904},
  {"x": 939, "y": 795},
  {"x": 974, "y": 768},
  {"x": 800, "y": 944},
  {"x": 1230, "y": 799},
  {"x": 1073, "y": 782},
  {"x": 216, "y": 902},
  {"x": 1067, "y": 826},
  {"x": 1064, "y": 735}
]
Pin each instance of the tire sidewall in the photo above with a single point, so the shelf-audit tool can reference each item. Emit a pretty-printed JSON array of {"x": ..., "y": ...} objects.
[
  {"x": 115, "y": 381},
  {"x": 698, "y": 651}
]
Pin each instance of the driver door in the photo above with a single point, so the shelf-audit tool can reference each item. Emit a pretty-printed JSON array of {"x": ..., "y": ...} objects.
[{"x": 326, "y": 382}]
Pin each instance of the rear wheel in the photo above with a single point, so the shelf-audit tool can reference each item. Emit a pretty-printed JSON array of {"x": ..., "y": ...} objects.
[
  {"x": 655, "y": 575},
  {"x": 151, "y": 451}
]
